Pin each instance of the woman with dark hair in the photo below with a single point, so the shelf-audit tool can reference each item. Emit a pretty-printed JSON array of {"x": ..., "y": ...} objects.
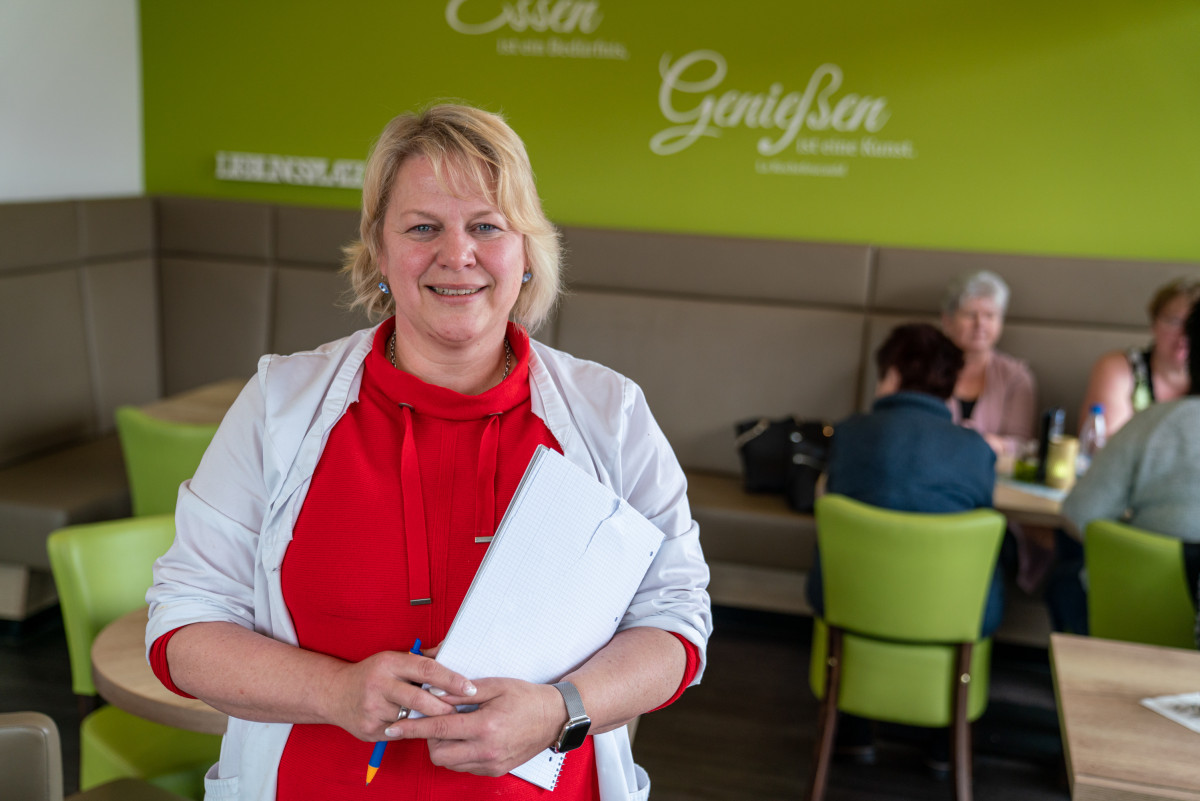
[{"x": 907, "y": 454}]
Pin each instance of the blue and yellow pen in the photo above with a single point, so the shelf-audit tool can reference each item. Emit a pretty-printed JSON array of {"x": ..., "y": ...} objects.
[{"x": 377, "y": 755}]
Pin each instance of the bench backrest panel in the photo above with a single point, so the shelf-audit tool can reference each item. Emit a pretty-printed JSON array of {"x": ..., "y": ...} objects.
[
  {"x": 47, "y": 400},
  {"x": 682, "y": 265},
  {"x": 79, "y": 330},
  {"x": 123, "y": 317},
  {"x": 308, "y": 309},
  {"x": 704, "y": 365},
  {"x": 1095, "y": 292},
  {"x": 216, "y": 319},
  {"x": 244, "y": 279},
  {"x": 119, "y": 301}
]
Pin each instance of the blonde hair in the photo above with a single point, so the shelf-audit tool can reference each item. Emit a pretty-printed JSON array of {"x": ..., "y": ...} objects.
[
  {"x": 467, "y": 148},
  {"x": 1180, "y": 287}
]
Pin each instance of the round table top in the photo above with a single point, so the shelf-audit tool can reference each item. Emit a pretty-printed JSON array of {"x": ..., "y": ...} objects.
[
  {"x": 203, "y": 405},
  {"x": 124, "y": 679}
]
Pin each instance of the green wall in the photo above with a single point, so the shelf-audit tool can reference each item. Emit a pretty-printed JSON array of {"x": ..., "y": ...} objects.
[{"x": 1057, "y": 128}]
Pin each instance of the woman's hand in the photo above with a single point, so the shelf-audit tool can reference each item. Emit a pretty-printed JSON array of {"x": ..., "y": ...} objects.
[
  {"x": 639, "y": 669},
  {"x": 368, "y": 695},
  {"x": 515, "y": 720},
  {"x": 998, "y": 444},
  {"x": 248, "y": 675}
]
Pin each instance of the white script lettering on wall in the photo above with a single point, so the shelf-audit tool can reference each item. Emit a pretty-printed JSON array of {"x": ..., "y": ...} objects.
[
  {"x": 557, "y": 47},
  {"x": 265, "y": 168},
  {"x": 557, "y": 16},
  {"x": 690, "y": 96},
  {"x": 537, "y": 28}
]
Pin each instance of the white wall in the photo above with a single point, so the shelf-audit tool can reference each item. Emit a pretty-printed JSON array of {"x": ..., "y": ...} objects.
[{"x": 70, "y": 99}]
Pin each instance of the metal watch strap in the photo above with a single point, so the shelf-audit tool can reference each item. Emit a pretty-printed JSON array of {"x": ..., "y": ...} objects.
[
  {"x": 572, "y": 697},
  {"x": 577, "y": 717}
]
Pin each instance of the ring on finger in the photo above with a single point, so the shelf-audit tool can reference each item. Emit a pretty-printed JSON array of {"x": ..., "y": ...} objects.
[{"x": 403, "y": 713}]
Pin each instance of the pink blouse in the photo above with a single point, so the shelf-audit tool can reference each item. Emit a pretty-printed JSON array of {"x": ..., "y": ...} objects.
[{"x": 1007, "y": 405}]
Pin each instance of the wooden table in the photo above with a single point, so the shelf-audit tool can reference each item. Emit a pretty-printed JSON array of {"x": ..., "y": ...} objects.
[
  {"x": 206, "y": 404},
  {"x": 1029, "y": 504},
  {"x": 1116, "y": 748},
  {"x": 124, "y": 679}
]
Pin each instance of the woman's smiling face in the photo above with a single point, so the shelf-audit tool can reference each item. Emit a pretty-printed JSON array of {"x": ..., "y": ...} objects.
[{"x": 451, "y": 259}]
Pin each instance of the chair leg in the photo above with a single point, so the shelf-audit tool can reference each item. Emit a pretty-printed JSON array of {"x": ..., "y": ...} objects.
[
  {"x": 827, "y": 716},
  {"x": 961, "y": 735},
  {"x": 87, "y": 705}
]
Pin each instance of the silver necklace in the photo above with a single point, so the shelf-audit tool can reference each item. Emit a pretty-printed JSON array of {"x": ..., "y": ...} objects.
[{"x": 507, "y": 355}]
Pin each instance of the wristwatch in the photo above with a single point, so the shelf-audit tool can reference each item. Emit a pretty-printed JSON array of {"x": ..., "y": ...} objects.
[{"x": 578, "y": 722}]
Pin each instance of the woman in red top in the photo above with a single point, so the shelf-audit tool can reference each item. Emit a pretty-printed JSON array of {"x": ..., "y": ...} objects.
[{"x": 434, "y": 422}]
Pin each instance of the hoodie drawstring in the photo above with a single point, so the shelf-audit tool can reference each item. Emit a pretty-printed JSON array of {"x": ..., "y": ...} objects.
[
  {"x": 412, "y": 501},
  {"x": 485, "y": 495},
  {"x": 414, "y": 514}
]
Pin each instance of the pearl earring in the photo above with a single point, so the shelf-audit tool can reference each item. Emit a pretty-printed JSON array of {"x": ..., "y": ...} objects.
[
  {"x": 383, "y": 287},
  {"x": 525, "y": 278}
]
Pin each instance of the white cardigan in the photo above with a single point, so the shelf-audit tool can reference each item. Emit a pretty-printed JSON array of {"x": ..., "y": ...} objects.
[{"x": 247, "y": 493}]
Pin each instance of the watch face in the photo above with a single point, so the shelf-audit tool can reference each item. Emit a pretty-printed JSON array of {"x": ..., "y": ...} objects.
[{"x": 573, "y": 734}]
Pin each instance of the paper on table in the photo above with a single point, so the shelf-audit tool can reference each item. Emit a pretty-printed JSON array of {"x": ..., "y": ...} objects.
[
  {"x": 1040, "y": 490},
  {"x": 560, "y": 573},
  {"x": 1183, "y": 708}
]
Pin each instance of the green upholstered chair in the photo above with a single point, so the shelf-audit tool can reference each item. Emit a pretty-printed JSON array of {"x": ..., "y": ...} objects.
[
  {"x": 159, "y": 456},
  {"x": 904, "y": 598},
  {"x": 102, "y": 571},
  {"x": 1137, "y": 586}
]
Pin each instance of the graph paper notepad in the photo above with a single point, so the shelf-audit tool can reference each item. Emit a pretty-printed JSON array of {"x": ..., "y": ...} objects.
[{"x": 565, "y": 563}]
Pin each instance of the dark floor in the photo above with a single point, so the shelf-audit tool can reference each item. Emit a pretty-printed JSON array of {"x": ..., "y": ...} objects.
[
  {"x": 35, "y": 674},
  {"x": 745, "y": 733}
]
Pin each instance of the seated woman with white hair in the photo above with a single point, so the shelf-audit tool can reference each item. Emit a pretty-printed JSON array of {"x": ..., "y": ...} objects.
[{"x": 996, "y": 393}]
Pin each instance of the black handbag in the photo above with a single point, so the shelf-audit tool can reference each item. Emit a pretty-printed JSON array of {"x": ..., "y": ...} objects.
[{"x": 784, "y": 456}]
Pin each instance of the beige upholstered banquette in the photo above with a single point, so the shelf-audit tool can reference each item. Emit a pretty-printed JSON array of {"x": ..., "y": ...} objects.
[{"x": 104, "y": 302}]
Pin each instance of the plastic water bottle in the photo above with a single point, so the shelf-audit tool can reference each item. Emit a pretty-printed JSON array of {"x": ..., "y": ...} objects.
[{"x": 1092, "y": 437}]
